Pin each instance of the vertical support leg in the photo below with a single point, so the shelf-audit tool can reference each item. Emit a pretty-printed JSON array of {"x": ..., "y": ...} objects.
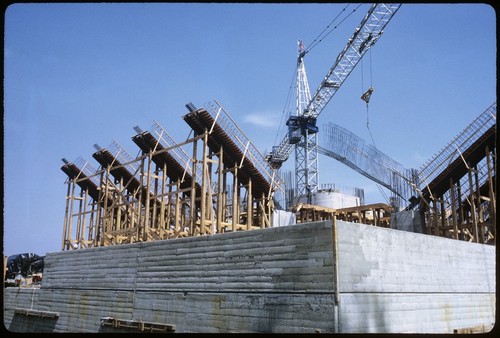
[
  {"x": 453, "y": 209},
  {"x": 105, "y": 214},
  {"x": 249, "y": 205},
  {"x": 67, "y": 217},
  {"x": 461, "y": 214},
  {"x": 192, "y": 210},
  {"x": 178, "y": 223},
  {"x": 220, "y": 189},
  {"x": 473, "y": 208},
  {"x": 204, "y": 180},
  {"x": 235, "y": 203},
  {"x": 435, "y": 216},
  {"x": 491, "y": 189},
  {"x": 443, "y": 220}
]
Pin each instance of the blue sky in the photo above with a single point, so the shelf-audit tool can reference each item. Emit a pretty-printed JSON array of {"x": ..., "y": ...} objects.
[{"x": 80, "y": 74}]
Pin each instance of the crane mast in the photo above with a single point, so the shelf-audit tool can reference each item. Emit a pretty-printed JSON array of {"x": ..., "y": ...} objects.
[
  {"x": 306, "y": 155},
  {"x": 302, "y": 129}
]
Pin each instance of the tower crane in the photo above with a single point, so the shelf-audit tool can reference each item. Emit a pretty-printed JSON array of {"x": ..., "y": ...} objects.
[{"x": 302, "y": 129}]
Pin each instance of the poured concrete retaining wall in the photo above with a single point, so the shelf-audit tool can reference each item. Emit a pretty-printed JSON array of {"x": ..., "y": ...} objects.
[
  {"x": 398, "y": 281},
  {"x": 270, "y": 280}
]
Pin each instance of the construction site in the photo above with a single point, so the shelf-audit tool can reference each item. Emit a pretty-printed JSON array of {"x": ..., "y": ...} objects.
[{"x": 209, "y": 235}]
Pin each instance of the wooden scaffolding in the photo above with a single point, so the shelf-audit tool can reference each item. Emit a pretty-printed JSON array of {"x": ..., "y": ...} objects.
[
  {"x": 458, "y": 185},
  {"x": 214, "y": 182},
  {"x": 377, "y": 214}
]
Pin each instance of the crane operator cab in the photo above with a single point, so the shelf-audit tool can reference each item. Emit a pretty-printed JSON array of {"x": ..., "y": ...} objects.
[{"x": 300, "y": 125}]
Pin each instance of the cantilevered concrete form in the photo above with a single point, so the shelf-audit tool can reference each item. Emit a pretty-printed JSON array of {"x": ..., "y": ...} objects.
[
  {"x": 457, "y": 185},
  {"x": 302, "y": 278},
  {"x": 234, "y": 152},
  {"x": 164, "y": 159},
  {"x": 224, "y": 184}
]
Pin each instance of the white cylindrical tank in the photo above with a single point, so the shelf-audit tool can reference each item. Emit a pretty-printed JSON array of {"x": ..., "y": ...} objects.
[{"x": 335, "y": 199}]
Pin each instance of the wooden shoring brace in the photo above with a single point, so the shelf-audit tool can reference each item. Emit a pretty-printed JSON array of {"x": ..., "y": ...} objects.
[
  {"x": 104, "y": 215},
  {"x": 236, "y": 200},
  {"x": 376, "y": 217},
  {"x": 203, "y": 196},
  {"x": 113, "y": 213},
  {"x": 270, "y": 208},
  {"x": 157, "y": 197},
  {"x": 160, "y": 218},
  {"x": 225, "y": 199},
  {"x": 468, "y": 233},
  {"x": 249, "y": 204},
  {"x": 131, "y": 215},
  {"x": 82, "y": 241},
  {"x": 147, "y": 203},
  {"x": 192, "y": 211},
  {"x": 67, "y": 215},
  {"x": 79, "y": 215},
  {"x": 260, "y": 210},
  {"x": 491, "y": 189},
  {"x": 225, "y": 206},
  {"x": 472, "y": 207},
  {"x": 154, "y": 209},
  {"x": 480, "y": 220},
  {"x": 119, "y": 208},
  {"x": 263, "y": 211},
  {"x": 221, "y": 188},
  {"x": 92, "y": 226},
  {"x": 206, "y": 193},
  {"x": 358, "y": 213},
  {"x": 178, "y": 221},
  {"x": 143, "y": 216},
  {"x": 262, "y": 218},
  {"x": 444, "y": 230},
  {"x": 168, "y": 206},
  {"x": 428, "y": 219},
  {"x": 98, "y": 220},
  {"x": 211, "y": 195},
  {"x": 206, "y": 212},
  {"x": 453, "y": 209},
  {"x": 76, "y": 238},
  {"x": 435, "y": 220},
  {"x": 461, "y": 214}
]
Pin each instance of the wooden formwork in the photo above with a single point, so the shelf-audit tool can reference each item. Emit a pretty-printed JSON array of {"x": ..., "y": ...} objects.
[
  {"x": 457, "y": 186},
  {"x": 157, "y": 195},
  {"x": 377, "y": 214},
  {"x": 466, "y": 208}
]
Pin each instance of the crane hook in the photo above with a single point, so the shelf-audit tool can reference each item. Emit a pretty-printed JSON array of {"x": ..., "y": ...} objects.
[{"x": 366, "y": 96}]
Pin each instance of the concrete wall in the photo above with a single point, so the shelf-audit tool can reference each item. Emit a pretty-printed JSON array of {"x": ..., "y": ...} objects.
[
  {"x": 270, "y": 280},
  {"x": 397, "y": 281}
]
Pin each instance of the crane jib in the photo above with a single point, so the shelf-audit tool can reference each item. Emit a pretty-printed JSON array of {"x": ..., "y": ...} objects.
[{"x": 364, "y": 37}]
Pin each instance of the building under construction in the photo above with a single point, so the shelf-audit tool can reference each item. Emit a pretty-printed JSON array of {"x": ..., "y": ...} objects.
[
  {"x": 210, "y": 236},
  {"x": 187, "y": 238},
  {"x": 220, "y": 184}
]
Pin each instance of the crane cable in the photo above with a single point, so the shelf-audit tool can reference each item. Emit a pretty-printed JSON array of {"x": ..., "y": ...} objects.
[
  {"x": 316, "y": 41},
  {"x": 367, "y": 95},
  {"x": 286, "y": 107}
]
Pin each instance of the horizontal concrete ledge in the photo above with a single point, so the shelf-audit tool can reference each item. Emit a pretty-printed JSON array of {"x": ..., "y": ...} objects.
[
  {"x": 36, "y": 313},
  {"x": 138, "y": 325},
  {"x": 194, "y": 291}
]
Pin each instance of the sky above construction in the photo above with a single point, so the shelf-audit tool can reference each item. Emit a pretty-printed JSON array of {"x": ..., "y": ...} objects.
[{"x": 76, "y": 75}]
